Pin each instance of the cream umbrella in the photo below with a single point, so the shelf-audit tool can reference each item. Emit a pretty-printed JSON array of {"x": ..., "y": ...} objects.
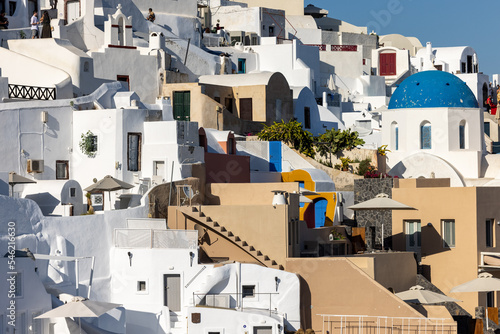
[
  {"x": 418, "y": 295},
  {"x": 109, "y": 184},
  {"x": 79, "y": 308},
  {"x": 18, "y": 179},
  {"x": 381, "y": 202},
  {"x": 485, "y": 282}
]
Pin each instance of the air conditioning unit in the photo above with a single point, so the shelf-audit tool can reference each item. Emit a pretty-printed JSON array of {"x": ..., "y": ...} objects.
[
  {"x": 35, "y": 166},
  {"x": 222, "y": 301}
]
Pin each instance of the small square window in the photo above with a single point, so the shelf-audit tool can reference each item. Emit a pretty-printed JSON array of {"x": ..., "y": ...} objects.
[
  {"x": 141, "y": 285},
  {"x": 248, "y": 291}
]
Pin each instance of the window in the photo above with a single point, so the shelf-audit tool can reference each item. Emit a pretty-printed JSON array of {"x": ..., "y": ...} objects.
[
  {"x": 229, "y": 104},
  {"x": 448, "y": 233},
  {"x": 487, "y": 128},
  {"x": 248, "y": 291},
  {"x": 426, "y": 136},
  {"x": 461, "y": 135},
  {"x": 395, "y": 136},
  {"x": 413, "y": 231},
  {"x": 125, "y": 79},
  {"x": 464, "y": 68},
  {"x": 12, "y": 7},
  {"x": 242, "y": 65},
  {"x": 141, "y": 285},
  {"x": 490, "y": 223},
  {"x": 271, "y": 31},
  {"x": 134, "y": 152},
  {"x": 470, "y": 68},
  {"x": 307, "y": 117},
  {"x": 72, "y": 192},
  {"x": 182, "y": 106},
  {"x": 62, "y": 170}
]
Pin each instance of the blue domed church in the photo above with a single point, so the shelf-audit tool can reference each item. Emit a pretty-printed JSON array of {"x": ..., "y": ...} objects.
[{"x": 434, "y": 128}]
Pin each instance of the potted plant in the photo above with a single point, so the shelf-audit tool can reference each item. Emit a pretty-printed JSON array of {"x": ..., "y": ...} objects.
[
  {"x": 382, "y": 158},
  {"x": 344, "y": 163}
]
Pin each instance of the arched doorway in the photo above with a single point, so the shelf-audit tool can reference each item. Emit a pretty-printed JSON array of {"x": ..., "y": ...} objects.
[{"x": 315, "y": 214}]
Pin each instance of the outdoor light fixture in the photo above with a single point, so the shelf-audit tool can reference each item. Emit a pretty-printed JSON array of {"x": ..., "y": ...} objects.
[
  {"x": 277, "y": 280},
  {"x": 130, "y": 258}
]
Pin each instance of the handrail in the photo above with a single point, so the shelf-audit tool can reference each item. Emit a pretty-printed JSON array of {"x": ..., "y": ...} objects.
[{"x": 31, "y": 92}]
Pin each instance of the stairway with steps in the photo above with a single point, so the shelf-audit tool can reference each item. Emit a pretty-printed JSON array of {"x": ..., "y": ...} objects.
[{"x": 207, "y": 222}]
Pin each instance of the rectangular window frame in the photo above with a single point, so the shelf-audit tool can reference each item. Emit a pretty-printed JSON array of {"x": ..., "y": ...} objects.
[
  {"x": 307, "y": 118},
  {"x": 242, "y": 65},
  {"x": 129, "y": 153},
  {"x": 449, "y": 241},
  {"x": 418, "y": 233},
  {"x": 490, "y": 232},
  {"x": 66, "y": 167},
  {"x": 248, "y": 294}
]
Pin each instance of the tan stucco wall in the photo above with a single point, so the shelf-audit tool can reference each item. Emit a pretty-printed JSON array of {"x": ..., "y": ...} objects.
[
  {"x": 202, "y": 109},
  {"x": 392, "y": 270},
  {"x": 256, "y": 93},
  {"x": 251, "y": 194},
  {"x": 469, "y": 207},
  {"x": 336, "y": 286},
  {"x": 263, "y": 226}
]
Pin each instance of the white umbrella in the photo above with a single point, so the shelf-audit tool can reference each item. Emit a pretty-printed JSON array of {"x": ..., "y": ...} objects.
[
  {"x": 484, "y": 283},
  {"x": 381, "y": 202},
  {"x": 418, "y": 295},
  {"x": 79, "y": 308}
]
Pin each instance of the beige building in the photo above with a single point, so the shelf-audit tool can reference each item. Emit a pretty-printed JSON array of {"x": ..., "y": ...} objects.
[
  {"x": 234, "y": 228},
  {"x": 451, "y": 231},
  {"x": 238, "y": 102}
]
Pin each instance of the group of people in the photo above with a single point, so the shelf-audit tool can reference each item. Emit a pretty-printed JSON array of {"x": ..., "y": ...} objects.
[
  {"x": 491, "y": 103},
  {"x": 34, "y": 23},
  {"x": 45, "y": 21}
]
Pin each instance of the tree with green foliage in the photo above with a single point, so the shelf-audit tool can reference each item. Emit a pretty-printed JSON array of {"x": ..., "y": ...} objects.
[
  {"x": 290, "y": 133},
  {"x": 334, "y": 141}
]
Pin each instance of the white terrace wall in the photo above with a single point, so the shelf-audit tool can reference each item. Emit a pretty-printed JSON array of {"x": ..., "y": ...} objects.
[
  {"x": 22, "y": 70},
  {"x": 89, "y": 235}
]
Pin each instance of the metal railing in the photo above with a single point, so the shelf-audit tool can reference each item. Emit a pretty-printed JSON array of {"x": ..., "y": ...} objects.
[
  {"x": 336, "y": 48},
  {"x": 148, "y": 238},
  {"x": 31, "y": 92},
  {"x": 256, "y": 301},
  {"x": 359, "y": 324}
]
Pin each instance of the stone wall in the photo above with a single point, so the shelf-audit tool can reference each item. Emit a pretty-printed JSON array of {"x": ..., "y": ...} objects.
[{"x": 372, "y": 220}]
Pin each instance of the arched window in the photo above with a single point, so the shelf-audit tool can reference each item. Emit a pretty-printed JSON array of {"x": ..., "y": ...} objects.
[
  {"x": 462, "y": 134},
  {"x": 394, "y": 136},
  {"x": 425, "y": 136},
  {"x": 121, "y": 31}
]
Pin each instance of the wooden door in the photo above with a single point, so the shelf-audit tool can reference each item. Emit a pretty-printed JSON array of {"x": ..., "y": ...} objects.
[
  {"x": 387, "y": 64},
  {"x": 172, "y": 291},
  {"x": 182, "y": 106},
  {"x": 246, "y": 109}
]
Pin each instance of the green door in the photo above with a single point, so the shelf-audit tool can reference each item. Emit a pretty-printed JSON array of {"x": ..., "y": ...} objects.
[{"x": 182, "y": 105}]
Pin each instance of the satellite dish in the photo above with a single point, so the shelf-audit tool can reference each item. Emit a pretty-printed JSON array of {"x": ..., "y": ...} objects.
[{"x": 188, "y": 192}]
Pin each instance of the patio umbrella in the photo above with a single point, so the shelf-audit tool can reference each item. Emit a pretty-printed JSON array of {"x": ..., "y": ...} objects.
[
  {"x": 79, "y": 308},
  {"x": 381, "y": 202},
  {"x": 18, "y": 179},
  {"x": 109, "y": 184},
  {"x": 484, "y": 283},
  {"x": 418, "y": 295}
]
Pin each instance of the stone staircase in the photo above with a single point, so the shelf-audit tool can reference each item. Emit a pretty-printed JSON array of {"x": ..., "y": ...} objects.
[{"x": 207, "y": 222}]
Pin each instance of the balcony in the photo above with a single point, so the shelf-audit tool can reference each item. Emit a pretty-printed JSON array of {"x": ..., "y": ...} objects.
[
  {"x": 489, "y": 261},
  {"x": 359, "y": 324},
  {"x": 148, "y": 238}
]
